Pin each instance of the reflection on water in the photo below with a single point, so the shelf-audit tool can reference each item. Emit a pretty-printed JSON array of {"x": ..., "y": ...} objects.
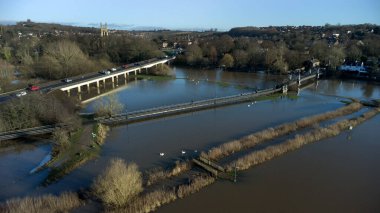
[{"x": 349, "y": 88}]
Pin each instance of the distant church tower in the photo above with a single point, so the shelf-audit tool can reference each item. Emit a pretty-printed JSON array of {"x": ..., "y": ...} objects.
[{"x": 103, "y": 30}]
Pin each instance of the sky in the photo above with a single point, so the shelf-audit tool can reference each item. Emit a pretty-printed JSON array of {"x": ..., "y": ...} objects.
[{"x": 221, "y": 14}]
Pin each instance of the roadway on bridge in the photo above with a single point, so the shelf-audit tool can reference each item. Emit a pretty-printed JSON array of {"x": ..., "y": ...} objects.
[{"x": 54, "y": 85}]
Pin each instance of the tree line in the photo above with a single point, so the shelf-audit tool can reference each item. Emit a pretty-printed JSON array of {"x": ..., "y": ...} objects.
[{"x": 280, "y": 49}]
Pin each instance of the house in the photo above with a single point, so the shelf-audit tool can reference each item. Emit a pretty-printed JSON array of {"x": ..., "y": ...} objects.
[{"x": 164, "y": 44}]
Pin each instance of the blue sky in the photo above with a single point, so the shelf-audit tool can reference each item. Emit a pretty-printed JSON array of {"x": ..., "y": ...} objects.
[{"x": 221, "y": 14}]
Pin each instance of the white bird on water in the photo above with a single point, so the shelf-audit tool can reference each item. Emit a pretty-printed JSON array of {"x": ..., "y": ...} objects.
[
  {"x": 249, "y": 105},
  {"x": 162, "y": 154},
  {"x": 183, "y": 152},
  {"x": 350, "y": 128}
]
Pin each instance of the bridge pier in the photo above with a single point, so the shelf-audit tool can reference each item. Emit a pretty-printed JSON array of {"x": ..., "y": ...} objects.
[
  {"x": 299, "y": 80},
  {"x": 79, "y": 90},
  {"x": 88, "y": 88},
  {"x": 97, "y": 84},
  {"x": 68, "y": 92}
]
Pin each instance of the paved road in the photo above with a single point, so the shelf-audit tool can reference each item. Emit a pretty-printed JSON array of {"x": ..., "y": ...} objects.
[{"x": 52, "y": 85}]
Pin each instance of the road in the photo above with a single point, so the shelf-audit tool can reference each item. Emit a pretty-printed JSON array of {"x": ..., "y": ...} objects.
[{"x": 53, "y": 85}]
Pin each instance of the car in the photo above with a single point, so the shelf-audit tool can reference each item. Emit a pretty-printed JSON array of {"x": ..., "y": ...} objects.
[
  {"x": 125, "y": 66},
  {"x": 33, "y": 87},
  {"x": 22, "y": 93},
  {"x": 105, "y": 72},
  {"x": 113, "y": 69},
  {"x": 137, "y": 64},
  {"x": 67, "y": 80}
]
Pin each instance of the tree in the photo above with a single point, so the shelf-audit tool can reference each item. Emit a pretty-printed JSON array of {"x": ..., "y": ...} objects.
[
  {"x": 109, "y": 106},
  {"x": 118, "y": 184},
  {"x": 227, "y": 61},
  {"x": 335, "y": 57},
  {"x": 63, "y": 59},
  {"x": 353, "y": 52},
  {"x": 241, "y": 58},
  {"x": 194, "y": 55}
]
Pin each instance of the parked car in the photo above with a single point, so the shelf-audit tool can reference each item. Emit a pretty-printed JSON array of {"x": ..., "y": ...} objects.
[
  {"x": 105, "y": 72},
  {"x": 33, "y": 87},
  {"x": 125, "y": 66},
  {"x": 67, "y": 80},
  {"x": 21, "y": 94},
  {"x": 113, "y": 69}
]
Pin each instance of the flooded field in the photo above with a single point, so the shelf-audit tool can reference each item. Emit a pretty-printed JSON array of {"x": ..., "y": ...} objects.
[{"x": 338, "y": 174}]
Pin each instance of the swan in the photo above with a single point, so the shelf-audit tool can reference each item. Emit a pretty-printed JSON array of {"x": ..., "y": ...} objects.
[
  {"x": 162, "y": 154},
  {"x": 183, "y": 152}
]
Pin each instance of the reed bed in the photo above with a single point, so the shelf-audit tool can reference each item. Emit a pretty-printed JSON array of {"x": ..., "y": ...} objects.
[
  {"x": 148, "y": 202},
  {"x": 298, "y": 141},
  {"x": 158, "y": 174},
  {"x": 42, "y": 204},
  {"x": 152, "y": 200},
  {"x": 195, "y": 185},
  {"x": 249, "y": 141}
]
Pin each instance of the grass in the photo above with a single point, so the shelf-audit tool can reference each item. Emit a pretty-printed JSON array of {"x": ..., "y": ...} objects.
[
  {"x": 76, "y": 155},
  {"x": 298, "y": 141},
  {"x": 158, "y": 174},
  {"x": 118, "y": 184},
  {"x": 42, "y": 204},
  {"x": 268, "y": 134}
]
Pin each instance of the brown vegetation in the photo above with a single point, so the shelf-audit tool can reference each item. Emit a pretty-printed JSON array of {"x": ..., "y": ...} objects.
[
  {"x": 195, "y": 185},
  {"x": 162, "y": 69},
  {"x": 268, "y": 134},
  {"x": 101, "y": 133},
  {"x": 152, "y": 200},
  {"x": 118, "y": 184},
  {"x": 109, "y": 106},
  {"x": 61, "y": 141},
  {"x": 159, "y": 174},
  {"x": 42, "y": 204},
  {"x": 148, "y": 202},
  {"x": 36, "y": 109},
  {"x": 270, "y": 152}
]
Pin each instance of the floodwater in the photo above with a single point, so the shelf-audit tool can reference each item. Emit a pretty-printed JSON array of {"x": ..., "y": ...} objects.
[
  {"x": 340, "y": 174},
  {"x": 189, "y": 85},
  {"x": 305, "y": 180}
]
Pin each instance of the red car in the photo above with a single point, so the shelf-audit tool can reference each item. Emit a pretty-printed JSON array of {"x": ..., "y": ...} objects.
[{"x": 33, "y": 88}]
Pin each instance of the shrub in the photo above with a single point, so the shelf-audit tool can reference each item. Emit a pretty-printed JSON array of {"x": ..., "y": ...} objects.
[
  {"x": 101, "y": 133},
  {"x": 118, "y": 184}
]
